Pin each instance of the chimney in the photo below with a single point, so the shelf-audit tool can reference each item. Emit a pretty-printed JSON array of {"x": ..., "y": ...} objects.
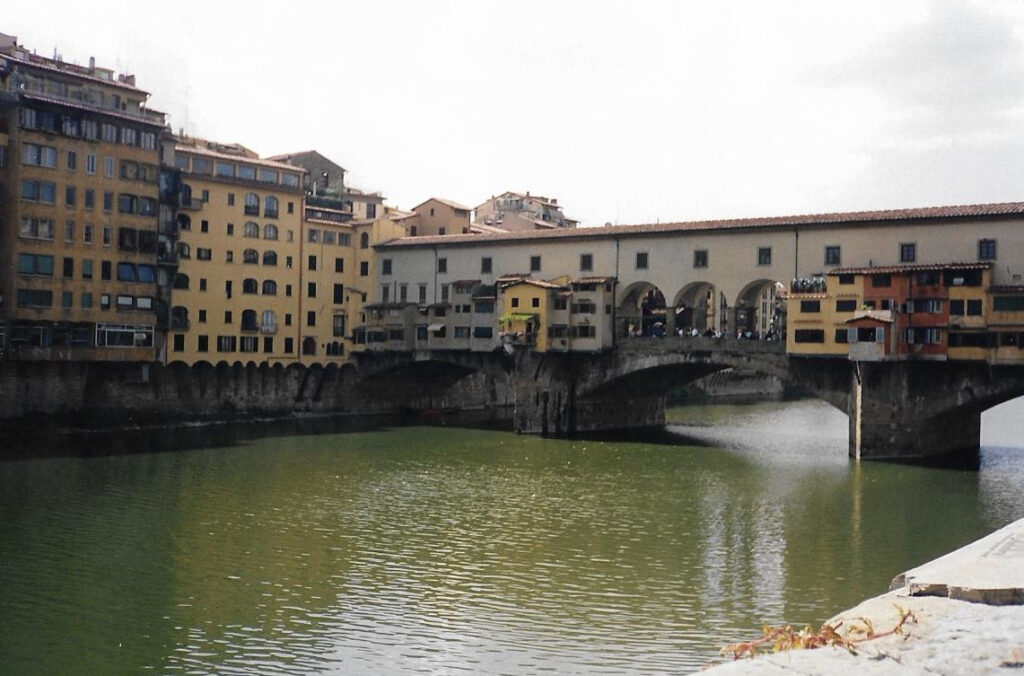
[{"x": 92, "y": 63}]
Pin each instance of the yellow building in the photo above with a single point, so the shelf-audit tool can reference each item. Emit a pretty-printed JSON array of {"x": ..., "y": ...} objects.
[
  {"x": 533, "y": 311},
  {"x": 237, "y": 295},
  {"x": 80, "y": 203},
  {"x": 438, "y": 216}
]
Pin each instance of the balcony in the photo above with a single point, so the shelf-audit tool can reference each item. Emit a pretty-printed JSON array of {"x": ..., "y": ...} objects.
[{"x": 268, "y": 328}]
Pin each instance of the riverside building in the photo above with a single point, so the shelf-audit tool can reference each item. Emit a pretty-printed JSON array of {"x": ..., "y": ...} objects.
[
  {"x": 236, "y": 295},
  {"x": 80, "y": 203}
]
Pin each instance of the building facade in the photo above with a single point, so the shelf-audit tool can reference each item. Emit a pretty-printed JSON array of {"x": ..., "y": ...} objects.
[
  {"x": 80, "y": 210},
  {"x": 237, "y": 291}
]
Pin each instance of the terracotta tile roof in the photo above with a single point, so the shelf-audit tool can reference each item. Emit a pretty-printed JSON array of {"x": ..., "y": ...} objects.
[
  {"x": 593, "y": 280},
  {"x": 533, "y": 282},
  {"x": 205, "y": 152},
  {"x": 898, "y": 269},
  {"x": 453, "y": 205},
  {"x": 924, "y": 214}
]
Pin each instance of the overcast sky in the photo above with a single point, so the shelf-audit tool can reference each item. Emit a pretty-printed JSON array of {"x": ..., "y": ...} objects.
[{"x": 627, "y": 112}]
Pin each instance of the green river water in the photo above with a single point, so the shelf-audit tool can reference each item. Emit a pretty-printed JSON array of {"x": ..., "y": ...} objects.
[{"x": 436, "y": 550}]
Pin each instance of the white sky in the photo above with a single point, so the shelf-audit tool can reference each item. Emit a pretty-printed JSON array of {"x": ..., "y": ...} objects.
[{"x": 626, "y": 111}]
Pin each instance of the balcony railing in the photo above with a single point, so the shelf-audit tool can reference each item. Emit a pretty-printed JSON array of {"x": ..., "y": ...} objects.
[{"x": 268, "y": 328}]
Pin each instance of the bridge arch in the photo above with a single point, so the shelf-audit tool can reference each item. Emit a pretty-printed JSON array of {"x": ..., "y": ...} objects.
[
  {"x": 641, "y": 310},
  {"x": 695, "y": 306},
  {"x": 758, "y": 309}
]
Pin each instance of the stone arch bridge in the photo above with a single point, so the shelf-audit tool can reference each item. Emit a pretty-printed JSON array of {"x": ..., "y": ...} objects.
[{"x": 902, "y": 411}]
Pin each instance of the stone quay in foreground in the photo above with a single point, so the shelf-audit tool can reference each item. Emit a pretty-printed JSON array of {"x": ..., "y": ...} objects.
[{"x": 969, "y": 607}]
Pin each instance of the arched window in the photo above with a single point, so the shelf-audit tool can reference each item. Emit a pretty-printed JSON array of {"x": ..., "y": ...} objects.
[
  {"x": 270, "y": 207},
  {"x": 252, "y": 229},
  {"x": 309, "y": 345},
  {"x": 179, "y": 317},
  {"x": 180, "y": 281},
  {"x": 250, "y": 256},
  {"x": 249, "y": 285},
  {"x": 269, "y": 287},
  {"x": 252, "y": 204},
  {"x": 269, "y": 231},
  {"x": 184, "y": 250},
  {"x": 268, "y": 323},
  {"x": 269, "y": 258},
  {"x": 249, "y": 320},
  {"x": 364, "y": 240},
  {"x": 184, "y": 222}
]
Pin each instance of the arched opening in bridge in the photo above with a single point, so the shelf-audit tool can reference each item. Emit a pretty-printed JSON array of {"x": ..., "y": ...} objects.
[
  {"x": 759, "y": 311},
  {"x": 695, "y": 308},
  {"x": 642, "y": 311}
]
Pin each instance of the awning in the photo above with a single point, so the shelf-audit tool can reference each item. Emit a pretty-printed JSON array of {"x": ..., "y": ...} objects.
[
  {"x": 518, "y": 317},
  {"x": 434, "y": 328}
]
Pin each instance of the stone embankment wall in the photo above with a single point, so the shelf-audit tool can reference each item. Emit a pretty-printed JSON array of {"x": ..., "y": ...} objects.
[{"x": 98, "y": 394}]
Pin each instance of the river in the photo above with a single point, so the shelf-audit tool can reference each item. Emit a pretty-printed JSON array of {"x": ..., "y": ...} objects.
[{"x": 435, "y": 550}]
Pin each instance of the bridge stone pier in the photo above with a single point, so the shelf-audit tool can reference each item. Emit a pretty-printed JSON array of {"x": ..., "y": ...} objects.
[{"x": 909, "y": 411}]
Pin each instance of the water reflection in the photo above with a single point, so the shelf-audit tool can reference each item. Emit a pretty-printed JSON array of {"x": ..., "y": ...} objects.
[{"x": 426, "y": 550}]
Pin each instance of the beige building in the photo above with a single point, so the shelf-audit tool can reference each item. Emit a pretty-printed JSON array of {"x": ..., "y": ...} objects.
[
  {"x": 80, "y": 208},
  {"x": 515, "y": 212},
  {"x": 237, "y": 293},
  {"x": 718, "y": 275},
  {"x": 436, "y": 217}
]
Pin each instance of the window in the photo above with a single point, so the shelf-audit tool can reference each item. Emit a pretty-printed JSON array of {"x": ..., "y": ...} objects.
[
  {"x": 422, "y": 293},
  {"x": 181, "y": 282},
  {"x": 249, "y": 321},
  {"x": 203, "y": 254},
  {"x": 339, "y": 265},
  {"x": 311, "y": 290},
  {"x": 974, "y": 308},
  {"x": 34, "y": 298},
  {"x": 109, "y": 167},
  {"x": 90, "y": 164},
  {"x": 251, "y": 230},
  {"x": 72, "y": 160},
  {"x": 311, "y": 318},
  {"x": 485, "y": 265},
  {"x": 108, "y": 132},
  {"x": 986, "y": 249},
  {"x": 269, "y": 287},
  {"x": 339, "y": 293},
  {"x": 270, "y": 231},
  {"x": 229, "y": 256},
  {"x": 250, "y": 256},
  {"x": 249, "y": 285},
  {"x": 810, "y": 306},
  {"x": 70, "y": 195},
  {"x": 86, "y": 300},
  {"x": 36, "y": 228},
  {"x": 231, "y": 229},
  {"x": 329, "y": 237},
  {"x": 534, "y": 263},
  {"x": 586, "y": 262},
  {"x": 202, "y": 284},
  {"x": 203, "y": 344},
  {"x": 879, "y": 281},
  {"x": 246, "y": 172},
  {"x": 37, "y": 155},
  {"x": 311, "y": 261},
  {"x": 179, "y": 342},
  {"x": 90, "y": 198},
  {"x": 833, "y": 255},
  {"x": 442, "y": 265},
  {"x": 108, "y": 201},
  {"x": 846, "y": 305},
  {"x": 908, "y": 252},
  {"x": 125, "y": 272},
  {"x": 809, "y": 336},
  {"x": 226, "y": 343},
  {"x": 69, "y": 268},
  {"x": 126, "y": 204},
  {"x": 39, "y": 191},
  {"x": 87, "y": 268},
  {"x": 108, "y": 235},
  {"x": 385, "y": 268},
  {"x": 1008, "y": 303},
  {"x": 224, "y": 169},
  {"x": 35, "y": 264},
  {"x": 228, "y": 318},
  {"x": 69, "y": 231},
  {"x": 270, "y": 206},
  {"x": 700, "y": 258},
  {"x": 269, "y": 258},
  {"x": 515, "y": 302},
  {"x": 641, "y": 260},
  {"x": 204, "y": 226},
  {"x": 252, "y": 206},
  {"x": 313, "y": 236},
  {"x": 364, "y": 240},
  {"x": 764, "y": 255},
  {"x": 266, "y": 176}
]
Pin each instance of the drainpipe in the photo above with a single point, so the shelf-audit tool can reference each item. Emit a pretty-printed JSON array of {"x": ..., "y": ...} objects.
[
  {"x": 615, "y": 295},
  {"x": 796, "y": 253}
]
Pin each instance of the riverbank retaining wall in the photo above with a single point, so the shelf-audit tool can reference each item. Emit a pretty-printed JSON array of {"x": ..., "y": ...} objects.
[{"x": 104, "y": 394}]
